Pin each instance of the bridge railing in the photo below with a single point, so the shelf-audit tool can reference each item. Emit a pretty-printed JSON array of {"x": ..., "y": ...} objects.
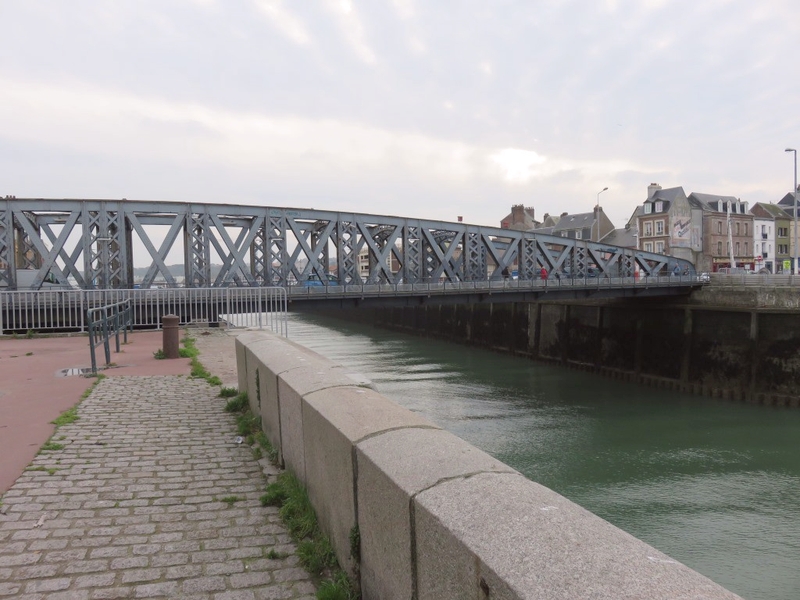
[
  {"x": 444, "y": 288},
  {"x": 65, "y": 310},
  {"x": 754, "y": 279}
]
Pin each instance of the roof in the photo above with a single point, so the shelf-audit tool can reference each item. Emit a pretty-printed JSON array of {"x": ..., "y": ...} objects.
[
  {"x": 668, "y": 195},
  {"x": 704, "y": 201},
  {"x": 624, "y": 236},
  {"x": 570, "y": 222},
  {"x": 773, "y": 210}
]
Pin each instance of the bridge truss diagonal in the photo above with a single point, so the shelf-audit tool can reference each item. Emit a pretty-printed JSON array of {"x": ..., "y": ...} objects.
[{"x": 94, "y": 244}]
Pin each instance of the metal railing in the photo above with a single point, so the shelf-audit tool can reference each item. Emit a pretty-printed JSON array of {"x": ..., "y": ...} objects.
[
  {"x": 753, "y": 279},
  {"x": 65, "y": 310},
  {"x": 105, "y": 321},
  {"x": 445, "y": 288}
]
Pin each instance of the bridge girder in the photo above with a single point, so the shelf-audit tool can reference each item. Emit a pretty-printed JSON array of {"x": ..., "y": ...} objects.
[{"x": 95, "y": 243}]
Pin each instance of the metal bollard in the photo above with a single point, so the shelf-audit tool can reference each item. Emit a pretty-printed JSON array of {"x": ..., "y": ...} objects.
[{"x": 169, "y": 324}]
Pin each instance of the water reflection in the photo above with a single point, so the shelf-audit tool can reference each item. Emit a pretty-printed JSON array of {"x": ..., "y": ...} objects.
[{"x": 714, "y": 484}]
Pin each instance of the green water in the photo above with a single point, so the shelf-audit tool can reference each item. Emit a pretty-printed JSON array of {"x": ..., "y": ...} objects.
[{"x": 714, "y": 484}]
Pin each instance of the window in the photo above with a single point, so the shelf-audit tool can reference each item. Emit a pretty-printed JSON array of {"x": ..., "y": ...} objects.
[
  {"x": 648, "y": 246},
  {"x": 578, "y": 235},
  {"x": 745, "y": 249},
  {"x": 737, "y": 249},
  {"x": 763, "y": 229},
  {"x": 648, "y": 228},
  {"x": 745, "y": 231},
  {"x": 737, "y": 229},
  {"x": 719, "y": 248},
  {"x": 648, "y": 208},
  {"x": 659, "y": 206},
  {"x": 659, "y": 227},
  {"x": 719, "y": 227},
  {"x": 660, "y": 247}
]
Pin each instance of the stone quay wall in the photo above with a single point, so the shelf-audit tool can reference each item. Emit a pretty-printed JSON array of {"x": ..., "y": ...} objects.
[
  {"x": 437, "y": 518},
  {"x": 720, "y": 343}
]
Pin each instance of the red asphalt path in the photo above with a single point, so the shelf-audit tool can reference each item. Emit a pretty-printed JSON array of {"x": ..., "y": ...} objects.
[{"x": 33, "y": 392}]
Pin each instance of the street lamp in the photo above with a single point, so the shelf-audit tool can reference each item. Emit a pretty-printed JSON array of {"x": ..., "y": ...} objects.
[
  {"x": 597, "y": 213},
  {"x": 796, "y": 253}
]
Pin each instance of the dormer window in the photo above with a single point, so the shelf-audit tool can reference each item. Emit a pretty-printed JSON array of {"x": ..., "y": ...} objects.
[
  {"x": 659, "y": 206},
  {"x": 648, "y": 208}
]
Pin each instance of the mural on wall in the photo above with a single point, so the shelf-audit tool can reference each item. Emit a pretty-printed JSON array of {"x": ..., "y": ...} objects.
[{"x": 681, "y": 217}]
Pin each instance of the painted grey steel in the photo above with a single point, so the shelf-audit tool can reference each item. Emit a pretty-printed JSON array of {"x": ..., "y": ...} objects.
[
  {"x": 90, "y": 244},
  {"x": 66, "y": 310},
  {"x": 105, "y": 321}
]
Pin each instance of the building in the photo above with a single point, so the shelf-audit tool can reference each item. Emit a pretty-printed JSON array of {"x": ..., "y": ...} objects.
[
  {"x": 695, "y": 228},
  {"x": 771, "y": 237},
  {"x": 727, "y": 228},
  {"x": 787, "y": 204},
  {"x": 668, "y": 223},
  {"x": 593, "y": 226},
  {"x": 520, "y": 218}
]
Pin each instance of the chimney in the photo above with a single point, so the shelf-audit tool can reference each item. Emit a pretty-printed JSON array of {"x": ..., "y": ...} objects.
[
  {"x": 460, "y": 218},
  {"x": 517, "y": 214},
  {"x": 652, "y": 189},
  {"x": 564, "y": 214}
]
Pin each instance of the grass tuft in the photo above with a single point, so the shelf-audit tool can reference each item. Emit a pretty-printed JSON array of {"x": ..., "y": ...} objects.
[
  {"x": 313, "y": 548},
  {"x": 68, "y": 416},
  {"x": 228, "y": 392},
  {"x": 237, "y": 404}
]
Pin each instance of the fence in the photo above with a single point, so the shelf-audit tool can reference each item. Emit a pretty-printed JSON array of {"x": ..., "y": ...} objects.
[
  {"x": 105, "y": 321},
  {"x": 66, "y": 310}
]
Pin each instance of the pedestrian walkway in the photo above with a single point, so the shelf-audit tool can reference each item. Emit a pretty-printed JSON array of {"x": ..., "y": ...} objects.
[{"x": 148, "y": 495}]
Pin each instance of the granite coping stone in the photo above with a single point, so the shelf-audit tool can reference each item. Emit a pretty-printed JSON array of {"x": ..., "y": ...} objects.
[{"x": 515, "y": 539}]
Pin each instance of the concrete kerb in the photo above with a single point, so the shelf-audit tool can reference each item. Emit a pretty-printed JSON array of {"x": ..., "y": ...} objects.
[{"x": 437, "y": 517}]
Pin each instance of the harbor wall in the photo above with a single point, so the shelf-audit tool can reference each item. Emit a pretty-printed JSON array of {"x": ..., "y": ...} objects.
[
  {"x": 728, "y": 350},
  {"x": 415, "y": 512}
]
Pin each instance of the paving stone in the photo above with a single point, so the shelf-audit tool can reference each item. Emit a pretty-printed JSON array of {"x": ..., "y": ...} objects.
[{"x": 134, "y": 509}]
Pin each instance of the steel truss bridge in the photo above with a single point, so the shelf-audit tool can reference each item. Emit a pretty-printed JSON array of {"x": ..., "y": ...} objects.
[{"x": 94, "y": 244}]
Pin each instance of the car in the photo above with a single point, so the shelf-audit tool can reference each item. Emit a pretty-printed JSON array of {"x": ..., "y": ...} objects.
[{"x": 313, "y": 280}]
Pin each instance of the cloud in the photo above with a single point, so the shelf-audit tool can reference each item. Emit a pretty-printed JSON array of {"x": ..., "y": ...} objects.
[
  {"x": 288, "y": 24},
  {"x": 352, "y": 29}
]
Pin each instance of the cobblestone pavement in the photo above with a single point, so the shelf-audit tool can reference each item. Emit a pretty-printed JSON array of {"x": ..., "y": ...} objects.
[{"x": 150, "y": 497}]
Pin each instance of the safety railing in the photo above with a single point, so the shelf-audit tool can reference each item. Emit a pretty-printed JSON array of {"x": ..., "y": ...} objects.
[
  {"x": 105, "y": 321},
  {"x": 495, "y": 286},
  {"x": 66, "y": 310}
]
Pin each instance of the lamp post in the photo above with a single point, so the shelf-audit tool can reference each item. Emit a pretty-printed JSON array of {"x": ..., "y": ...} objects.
[
  {"x": 794, "y": 189},
  {"x": 597, "y": 213}
]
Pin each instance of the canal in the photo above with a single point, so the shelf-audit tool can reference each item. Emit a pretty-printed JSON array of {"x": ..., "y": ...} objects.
[{"x": 712, "y": 483}]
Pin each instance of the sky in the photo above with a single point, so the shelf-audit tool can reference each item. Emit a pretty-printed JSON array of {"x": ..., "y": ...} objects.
[{"x": 429, "y": 110}]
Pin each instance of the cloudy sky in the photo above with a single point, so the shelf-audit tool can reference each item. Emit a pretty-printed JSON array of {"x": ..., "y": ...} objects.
[{"x": 427, "y": 109}]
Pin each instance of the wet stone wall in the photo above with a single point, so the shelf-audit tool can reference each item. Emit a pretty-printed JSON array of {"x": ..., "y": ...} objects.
[{"x": 747, "y": 354}]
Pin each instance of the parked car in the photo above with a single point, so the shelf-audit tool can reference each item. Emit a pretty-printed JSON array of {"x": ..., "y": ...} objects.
[{"x": 313, "y": 280}]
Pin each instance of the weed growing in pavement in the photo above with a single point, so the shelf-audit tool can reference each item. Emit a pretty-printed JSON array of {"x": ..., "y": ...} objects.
[
  {"x": 52, "y": 470},
  {"x": 159, "y": 354},
  {"x": 237, "y": 404},
  {"x": 274, "y": 555},
  {"x": 257, "y": 454},
  {"x": 29, "y": 354},
  {"x": 228, "y": 392},
  {"x": 265, "y": 445},
  {"x": 30, "y": 333},
  {"x": 68, "y": 416},
  {"x": 231, "y": 500},
  {"x": 313, "y": 548},
  {"x": 37, "y": 468},
  {"x": 50, "y": 446}
]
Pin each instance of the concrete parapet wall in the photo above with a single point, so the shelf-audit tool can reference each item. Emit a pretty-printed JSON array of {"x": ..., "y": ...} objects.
[{"x": 437, "y": 517}]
